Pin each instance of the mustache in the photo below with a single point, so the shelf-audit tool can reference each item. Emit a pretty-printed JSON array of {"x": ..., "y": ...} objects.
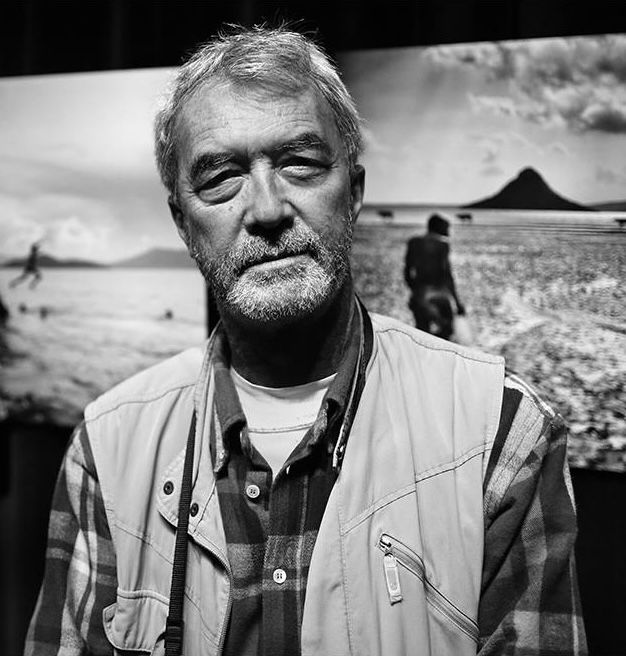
[{"x": 255, "y": 249}]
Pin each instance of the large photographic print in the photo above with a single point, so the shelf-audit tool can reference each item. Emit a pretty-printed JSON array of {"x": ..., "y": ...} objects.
[
  {"x": 520, "y": 146},
  {"x": 95, "y": 283}
]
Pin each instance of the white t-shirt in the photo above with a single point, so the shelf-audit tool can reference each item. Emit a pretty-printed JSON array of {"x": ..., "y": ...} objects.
[{"x": 278, "y": 417}]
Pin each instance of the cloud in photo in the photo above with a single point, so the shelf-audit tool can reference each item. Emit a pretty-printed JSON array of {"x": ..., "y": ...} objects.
[
  {"x": 610, "y": 176},
  {"x": 77, "y": 165},
  {"x": 579, "y": 82},
  {"x": 492, "y": 171},
  {"x": 80, "y": 214},
  {"x": 559, "y": 148}
]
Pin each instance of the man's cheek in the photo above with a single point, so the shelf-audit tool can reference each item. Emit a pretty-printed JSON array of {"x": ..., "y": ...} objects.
[{"x": 202, "y": 236}]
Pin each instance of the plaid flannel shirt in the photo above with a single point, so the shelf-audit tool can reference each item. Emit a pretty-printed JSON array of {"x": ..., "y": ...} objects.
[
  {"x": 529, "y": 603},
  {"x": 270, "y": 535}
]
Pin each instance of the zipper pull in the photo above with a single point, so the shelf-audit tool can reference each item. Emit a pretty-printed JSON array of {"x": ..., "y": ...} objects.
[{"x": 392, "y": 577}]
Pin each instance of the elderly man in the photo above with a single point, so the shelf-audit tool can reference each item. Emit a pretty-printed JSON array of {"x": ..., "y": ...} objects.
[{"x": 318, "y": 480}]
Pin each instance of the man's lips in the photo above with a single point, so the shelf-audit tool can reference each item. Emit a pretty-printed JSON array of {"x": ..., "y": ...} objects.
[{"x": 275, "y": 260}]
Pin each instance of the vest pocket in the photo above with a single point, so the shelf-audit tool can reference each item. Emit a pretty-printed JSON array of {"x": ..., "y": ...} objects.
[
  {"x": 135, "y": 624},
  {"x": 396, "y": 553}
]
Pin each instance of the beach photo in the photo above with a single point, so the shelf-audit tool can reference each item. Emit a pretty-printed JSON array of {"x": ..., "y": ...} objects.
[
  {"x": 519, "y": 145},
  {"x": 94, "y": 280}
]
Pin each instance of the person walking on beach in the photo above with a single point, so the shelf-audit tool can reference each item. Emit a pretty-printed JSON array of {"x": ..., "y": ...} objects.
[
  {"x": 31, "y": 268},
  {"x": 316, "y": 479},
  {"x": 428, "y": 274}
]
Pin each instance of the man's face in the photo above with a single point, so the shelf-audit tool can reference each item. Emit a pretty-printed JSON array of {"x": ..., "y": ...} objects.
[{"x": 266, "y": 202}]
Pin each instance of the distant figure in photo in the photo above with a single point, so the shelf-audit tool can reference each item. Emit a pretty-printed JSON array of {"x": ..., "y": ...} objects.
[
  {"x": 31, "y": 268},
  {"x": 428, "y": 274}
]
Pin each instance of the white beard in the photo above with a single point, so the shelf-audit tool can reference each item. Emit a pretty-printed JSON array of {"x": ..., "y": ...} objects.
[
  {"x": 283, "y": 293},
  {"x": 289, "y": 293}
]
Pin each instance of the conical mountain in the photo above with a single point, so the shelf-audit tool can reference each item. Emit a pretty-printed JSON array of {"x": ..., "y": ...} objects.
[{"x": 528, "y": 191}]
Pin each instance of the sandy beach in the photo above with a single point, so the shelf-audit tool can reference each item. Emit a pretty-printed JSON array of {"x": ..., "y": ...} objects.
[{"x": 552, "y": 302}]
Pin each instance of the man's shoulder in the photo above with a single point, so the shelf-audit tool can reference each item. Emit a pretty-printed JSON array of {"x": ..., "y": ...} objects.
[
  {"x": 408, "y": 338},
  {"x": 525, "y": 397},
  {"x": 529, "y": 429},
  {"x": 528, "y": 421},
  {"x": 171, "y": 376}
]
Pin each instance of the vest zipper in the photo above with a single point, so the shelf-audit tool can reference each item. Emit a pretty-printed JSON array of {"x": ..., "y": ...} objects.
[
  {"x": 392, "y": 577},
  {"x": 400, "y": 553}
]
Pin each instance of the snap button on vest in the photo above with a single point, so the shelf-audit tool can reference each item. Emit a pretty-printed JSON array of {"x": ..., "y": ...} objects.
[
  {"x": 168, "y": 487},
  {"x": 193, "y": 509}
]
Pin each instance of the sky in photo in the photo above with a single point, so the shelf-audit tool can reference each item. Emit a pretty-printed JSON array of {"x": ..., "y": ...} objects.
[
  {"x": 453, "y": 124},
  {"x": 77, "y": 166},
  {"x": 443, "y": 125}
]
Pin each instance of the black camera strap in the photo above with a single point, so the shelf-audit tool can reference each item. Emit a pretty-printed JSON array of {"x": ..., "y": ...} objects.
[{"x": 174, "y": 626}]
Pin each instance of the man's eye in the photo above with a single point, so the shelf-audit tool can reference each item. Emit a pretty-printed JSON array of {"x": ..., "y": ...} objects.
[
  {"x": 220, "y": 178},
  {"x": 303, "y": 168},
  {"x": 221, "y": 186}
]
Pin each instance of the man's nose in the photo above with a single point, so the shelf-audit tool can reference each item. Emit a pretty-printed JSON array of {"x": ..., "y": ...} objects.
[{"x": 268, "y": 207}]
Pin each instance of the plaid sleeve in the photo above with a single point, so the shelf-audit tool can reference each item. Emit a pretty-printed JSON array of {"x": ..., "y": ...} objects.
[
  {"x": 80, "y": 575},
  {"x": 529, "y": 598}
]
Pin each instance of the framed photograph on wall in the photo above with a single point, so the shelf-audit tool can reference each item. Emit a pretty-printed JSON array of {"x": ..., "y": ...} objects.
[
  {"x": 94, "y": 280},
  {"x": 520, "y": 146}
]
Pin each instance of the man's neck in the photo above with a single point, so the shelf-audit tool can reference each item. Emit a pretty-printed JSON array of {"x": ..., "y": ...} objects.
[{"x": 295, "y": 354}]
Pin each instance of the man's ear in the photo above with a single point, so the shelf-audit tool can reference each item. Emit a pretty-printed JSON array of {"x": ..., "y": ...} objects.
[
  {"x": 179, "y": 218},
  {"x": 357, "y": 189}
]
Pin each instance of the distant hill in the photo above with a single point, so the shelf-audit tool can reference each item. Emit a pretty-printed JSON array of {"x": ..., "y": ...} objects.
[
  {"x": 167, "y": 258},
  {"x": 528, "y": 191},
  {"x": 611, "y": 206},
  {"x": 47, "y": 261}
]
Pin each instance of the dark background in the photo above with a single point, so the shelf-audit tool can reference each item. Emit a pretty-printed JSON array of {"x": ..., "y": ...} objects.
[
  {"x": 48, "y": 36},
  {"x": 41, "y": 37}
]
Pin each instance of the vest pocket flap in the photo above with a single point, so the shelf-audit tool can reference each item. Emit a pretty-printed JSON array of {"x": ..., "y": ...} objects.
[
  {"x": 396, "y": 554},
  {"x": 136, "y": 622}
]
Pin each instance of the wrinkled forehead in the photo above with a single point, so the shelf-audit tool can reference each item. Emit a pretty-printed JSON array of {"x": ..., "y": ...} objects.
[{"x": 211, "y": 101}]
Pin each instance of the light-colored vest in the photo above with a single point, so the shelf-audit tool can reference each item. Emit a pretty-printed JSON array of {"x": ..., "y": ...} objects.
[{"x": 396, "y": 567}]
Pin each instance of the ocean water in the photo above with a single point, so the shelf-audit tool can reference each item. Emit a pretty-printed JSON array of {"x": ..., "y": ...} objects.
[
  {"x": 567, "y": 222},
  {"x": 80, "y": 331}
]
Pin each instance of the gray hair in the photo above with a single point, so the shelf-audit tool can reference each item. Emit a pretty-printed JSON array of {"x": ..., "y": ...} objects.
[{"x": 276, "y": 59}]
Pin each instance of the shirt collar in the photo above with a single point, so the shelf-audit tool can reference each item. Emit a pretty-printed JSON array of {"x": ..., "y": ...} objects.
[{"x": 229, "y": 421}]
